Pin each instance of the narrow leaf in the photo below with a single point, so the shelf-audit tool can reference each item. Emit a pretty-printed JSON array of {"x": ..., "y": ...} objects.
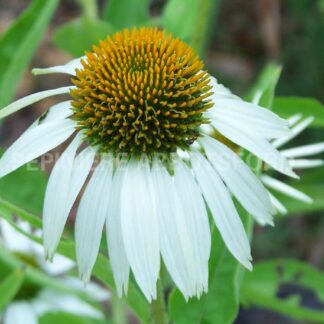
[
  {"x": 18, "y": 44},
  {"x": 10, "y": 286}
]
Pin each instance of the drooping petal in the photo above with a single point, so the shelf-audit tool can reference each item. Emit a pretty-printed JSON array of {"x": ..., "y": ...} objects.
[
  {"x": 249, "y": 118},
  {"x": 295, "y": 131},
  {"x": 294, "y": 119},
  {"x": 140, "y": 226},
  {"x": 28, "y": 100},
  {"x": 305, "y": 150},
  {"x": 278, "y": 205},
  {"x": 20, "y": 312},
  {"x": 259, "y": 147},
  {"x": 285, "y": 189},
  {"x": 305, "y": 163},
  {"x": 55, "y": 212},
  {"x": 91, "y": 216},
  {"x": 222, "y": 209},
  {"x": 35, "y": 142},
  {"x": 68, "y": 68},
  {"x": 177, "y": 247},
  {"x": 117, "y": 253},
  {"x": 241, "y": 181},
  {"x": 197, "y": 221}
]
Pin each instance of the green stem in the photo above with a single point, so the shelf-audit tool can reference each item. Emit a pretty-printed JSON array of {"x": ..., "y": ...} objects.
[
  {"x": 119, "y": 310},
  {"x": 90, "y": 9},
  {"x": 158, "y": 307}
]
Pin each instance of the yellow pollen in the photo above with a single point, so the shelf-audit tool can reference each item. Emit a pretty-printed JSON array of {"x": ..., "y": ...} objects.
[{"x": 141, "y": 91}]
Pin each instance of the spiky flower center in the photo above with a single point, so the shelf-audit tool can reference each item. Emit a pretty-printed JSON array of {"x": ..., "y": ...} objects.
[{"x": 141, "y": 91}]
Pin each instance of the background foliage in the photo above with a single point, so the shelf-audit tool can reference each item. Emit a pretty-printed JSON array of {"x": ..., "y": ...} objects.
[{"x": 233, "y": 38}]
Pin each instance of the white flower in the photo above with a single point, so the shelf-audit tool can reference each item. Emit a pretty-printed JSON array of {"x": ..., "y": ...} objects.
[
  {"x": 151, "y": 106},
  {"x": 298, "y": 159},
  {"x": 46, "y": 300}
]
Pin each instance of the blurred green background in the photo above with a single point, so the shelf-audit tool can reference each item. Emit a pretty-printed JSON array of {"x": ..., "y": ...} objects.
[{"x": 243, "y": 36}]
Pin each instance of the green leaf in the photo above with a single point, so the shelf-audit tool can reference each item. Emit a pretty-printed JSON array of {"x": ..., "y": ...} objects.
[
  {"x": 189, "y": 20},
  {"x": 25, "y": 187},
  {"x": 60, "y": 317},
  {"x": 18, "y": 44},
  {"x": 102, "y": 270},
  {"x": 293, "y": 280},
  {"x": 81, "y": 34},
  {"x": 10, "y": 286},
  {"x": 127, "y": 13},
  {"x": 264, "y": 88},
  {"x": 288, "y": 106}
]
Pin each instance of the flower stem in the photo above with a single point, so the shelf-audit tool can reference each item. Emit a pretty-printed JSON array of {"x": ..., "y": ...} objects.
[
  {"x": 90, "y": 9},
  {"x": 119, "y": 310},
  {"x": 158, "y": 307}
]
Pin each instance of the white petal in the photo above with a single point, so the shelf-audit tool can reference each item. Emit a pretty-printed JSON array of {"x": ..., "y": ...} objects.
[
  {"x": 250, "y": 118},
  {"x": 91, "y": 216},
  {"x": 302, "y": 151},
  {"x": 20, "y": 313},
  {"x": 259, "y": 147},
  {"x": 117, "y": 253},
  {"x": 197, "y": 221},
  {"x": 294, "y": 119},
  {"x": 285, "y": 189},
  {"x": 296, "y": 130},
  {"x": 51, "y": 301},
  {"x": 222, "y": 209},
  {"x": 177, "y": 247},
  {"x": 139, "y": 226},
  {"x": 306, "y": 163},
  {"x": 28, "y": 100},
  {"x": 68, "y": 68},
  {"x": 35, "y": 142},
  {"x": 278, "y": 205},
  {"x": 61, "y": 110},
  {"x": 57, "y": 204},
  {"x": 241, "y": 181},
  {"x": 221, "y": 92}
]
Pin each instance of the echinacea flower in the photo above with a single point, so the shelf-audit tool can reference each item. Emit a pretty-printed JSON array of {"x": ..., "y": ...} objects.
[
  {"x": 141, "y": 102},
  {"x": 298, "y": 159},
  {"x": 31, "y": 302}
]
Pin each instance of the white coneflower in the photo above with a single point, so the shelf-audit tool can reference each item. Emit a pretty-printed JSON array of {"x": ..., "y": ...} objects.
[
  {"x": 298, "y": 159},
  {"x": 31, "y": 302},
  {"x": 139, "y": 101}
]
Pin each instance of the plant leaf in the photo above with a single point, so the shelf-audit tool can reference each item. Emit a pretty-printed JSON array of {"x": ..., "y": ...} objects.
[
  {"x": 264, "y": 88},
  {"x": 292, "y": 281},
  {"x": 127, "y": 13},
  {"x": 189, "y": 21},
  {"x": 18, "y": 44},
  {"x": 81, "y": 34},
  {"x": 288, "y": 106},
  {"x": 10, "y": 286}
]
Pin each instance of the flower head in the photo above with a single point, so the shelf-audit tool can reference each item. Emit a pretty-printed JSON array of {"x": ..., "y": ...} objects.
[{"x": 144, "y": 106}]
